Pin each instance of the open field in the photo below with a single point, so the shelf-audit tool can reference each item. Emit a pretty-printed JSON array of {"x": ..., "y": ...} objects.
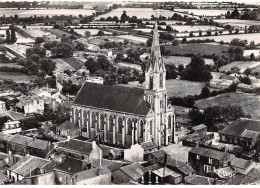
[
  {"x": 248, "y": 102},
  {"x": 195, "y": 48},
  {"x": 178, "y": 60},
  {"x": 256, "y": 52},
  {"x": 204, "y": 12},
  {"x": 16, "y": 76},
  {"x": 92, "y": 31},
  {"x": 33, "y": 32},
  {"x": 62, "y": 65},
  {"x": 46, "y": 12},
  {"x": 133, "y": 39},
  {"x": 59, "y": 33},
  {"x": 188, "y": 28},
  {"x": 227, "y": 38},
  {"x": 242, "y": 65},
  {"x": 129, "y": 65},
  {"x": 237, "y": 22},
  {"x": 182, "y": 88}
]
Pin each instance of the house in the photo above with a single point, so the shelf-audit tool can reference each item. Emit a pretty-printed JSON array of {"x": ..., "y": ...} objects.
[
  {"x": 4, "y": 159},
  {"x": 251, "y": 178},
  {"x": 134, "y": 154},
  {"x": 95, "y": 176},
  {"x": 133, "y": 172},
  {"x": 243, "y": 132},
  {"x": 65, "y": 171},
  {"x": 166, "y": 175},
  {"x": 39, "y": 148},
  {"x": 30, "y": 105},
  {"x": 68, "y": 129},
  {"x": 131, "y": 107},
  {"x": 47, "y": 178},
  {"x": 2, "y": 107},
  {"x": 81, "y": 150},
  {"x": 4, "y": 138},
  {"x": 149, "y": 146},
  {"x": 155, "y": 156},
  {"x": 3, "y": 178},
  {"x": 25, "y": 167},
  {"x": 11, "y": 127},
  {"x": 199, "y": 129},
  {"x": 40, "y": 92},
  {"x": 49, "y": 37},
  {"x": 201, "y": 180},
  {"x": 203, "y": 159},
  {"x": 18, "y": 144},
  {"x": 242, "y": 166}
]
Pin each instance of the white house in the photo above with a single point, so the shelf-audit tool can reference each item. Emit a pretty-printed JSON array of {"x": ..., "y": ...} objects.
[
  {"x": 11, "y": 127},
  {"x": 49, "y": 37},
  {"x": 2, "y": 107},
  {"x": 31, "y": 105}
]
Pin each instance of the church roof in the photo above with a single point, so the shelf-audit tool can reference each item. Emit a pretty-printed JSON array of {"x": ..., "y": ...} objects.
[
  {"x": 156, "y": 61},
  {"x": 115, "y": 98}
]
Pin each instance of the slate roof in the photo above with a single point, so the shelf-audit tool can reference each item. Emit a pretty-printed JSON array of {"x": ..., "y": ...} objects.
[
  {"x": 238, "y": 127},
  {"x": 27, "y": 163},
  {"x": 68, "y": 126},
  {"x": 5, "y": 137},
  {"x": 134, "y": 170},
  {"x": 39, "y": 144},
  {"x": 250, "y": 133},
  {"x": 93, "y": 172},
  {"x": 70, "y": 166},
  {"x": 116, "y": 98},
  {"x": 211, "y": 153},
  {"x": 3, "y": 156},
  {"x": 20, "y": 139},
  {"x": 161, "y": 172},
  {"x": 79, "y": 146},
  {"x": 149, "y": 145},
  {"x": 153, "y": 167},
  {"x": 158, "y": 154},
  {"x": 251, "y": 177},
  {"x": 199, "y": 180},
  {"x": 240, "y": 163}
]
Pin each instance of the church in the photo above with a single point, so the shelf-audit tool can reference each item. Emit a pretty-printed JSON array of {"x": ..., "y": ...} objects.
[{"x": 125, "y": 116}]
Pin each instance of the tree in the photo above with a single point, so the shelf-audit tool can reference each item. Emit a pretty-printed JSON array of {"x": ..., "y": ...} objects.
[
  {"x": 176, "y": 42},
  {"x": 196, "y": 116},
  {"x": 252, "y": 56},
  {"x": 168, "y": 28},
  {"x": 100, "y": 33},
  {"x": 245, "y": 80},
  {"x": 180, "y": 68},
  {"x": 87, "y": 34},
  {"x": 205, "y": 92},
  {"x": 149, "y": 42},
  {"x": 124, "y": 17},
  {"x": 80, "y": 47},
  {"x": 13, "y": 35},
  {"x": 8, "y": 39},
  {"x": 47, "y": 65},
  {"x": 126, "y": 42},
  {"x": 171, "y": 71},
  {"x": 196, "y": 70},
  {"x": 39, "y": 40},
  {"x": 248, "y": 71}
]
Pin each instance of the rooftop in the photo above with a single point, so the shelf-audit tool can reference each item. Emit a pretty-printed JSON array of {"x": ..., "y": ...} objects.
[
  {"x": 199, "y": 180},
  {"x": 78, "y": 146},
  {"x": 149, "y": 145},
  {"x": 20, "y": 139},
  {"x": 39, "y": 144},
  {"x": 116, "y": 98},
  {"x": 68, "y": 126},
  {"x": 71, "y": 166},
  {"x": 251, "y": 177},
  {"x": 134, "y": 170},
  {"x": 93, "y": 172}
]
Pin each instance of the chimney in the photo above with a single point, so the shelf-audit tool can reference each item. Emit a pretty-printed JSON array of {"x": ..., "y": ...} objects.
[{"x": 34, "y": 138}]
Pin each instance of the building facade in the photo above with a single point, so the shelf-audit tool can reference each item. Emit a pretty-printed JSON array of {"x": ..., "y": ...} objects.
[{"x": 126, "y": 116}]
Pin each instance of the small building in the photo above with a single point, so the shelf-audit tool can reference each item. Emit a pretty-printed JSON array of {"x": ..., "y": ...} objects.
[
  {"x": 251, "y": 178},
  {"x": 30, "y": 105},
  {"x": 25, "y": 167},
  {"x": 68, "y": 129},
  {"x": 149, "y": 147},
  {"x": 11, "y": 127},
  {"x": 155, "y": 156},
  {"x": 2, "y": 107},
  {"x": 203, "y": 159},
  {"x": 242, "y": 166},
  {"x": 199, "y": 129},
  {"x": 18, "y": 144},
  {"x": 134, "y": 154},
  {"x": 48, "y": 37},
  {"x": 39, "y": 148},
  {"x": 195, "y": 179},
  {"x": 243, "y": 132},
  {"x": 166, "y": 175}
]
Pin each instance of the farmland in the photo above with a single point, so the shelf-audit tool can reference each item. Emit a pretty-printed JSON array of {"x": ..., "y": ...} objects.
[
  {"x": 59, "y": 33},
  {"x": 62, "y": 65},
  {"x": 16, "y": 76},
  {"x": 237, "y": 22},
  {"x": 181, "y": 88},
  {"x": 73, "y": 62},
  {"x": 248, "y": 102},
  {"x": 205, "y": 49},
  {"x": 242, "y": 65},
  {"x": 33, "y": 32},
  {"x": 227, "y": 38},
  {"x": 133, "y": 39},
  {"x": 130, "y": 65},
  {"x": 45, "y": 12},
  {"x": 178, "y": 60},
  {"x": 92, "y": 31},
  {"x": 249, "y": 52},
  {"x": 203, "y": 12},
  {"x": 188, "y": 28}
]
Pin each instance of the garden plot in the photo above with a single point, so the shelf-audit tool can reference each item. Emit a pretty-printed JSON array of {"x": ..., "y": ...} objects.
[
  {"x": 34, "y": 33},
  {"x": 62, "y": 65},
  {"x": 179, "y": 60},
  {"x": 237, "y": 23},
  {"x": 242, "y": 65},
  {"x": 204, "y": 12}
]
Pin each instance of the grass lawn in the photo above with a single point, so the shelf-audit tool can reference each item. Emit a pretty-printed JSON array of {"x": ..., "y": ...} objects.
[
  {"x": 61, "y": 65},
  {"x": 248, "y": 102},
  {"x": 181, "y": 88},
  {"x": 16, "y": 76},
  {"x": 73, "y": 62},
  {"x": 242, "y": 65},
  {"x": 197, "y": 48},
  {"x": 178, "y": 60}
]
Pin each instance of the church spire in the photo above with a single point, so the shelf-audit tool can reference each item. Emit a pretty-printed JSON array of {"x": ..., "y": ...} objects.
[{"x": 155, "y": 62}]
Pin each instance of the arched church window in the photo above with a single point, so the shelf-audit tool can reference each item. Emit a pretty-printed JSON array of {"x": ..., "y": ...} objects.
[
  {"x": 85, "y": 116},
  {"x": 76, "y": 117},
  {"x": 111, "y": 123},
  {"x": 169, "y": 122},
  {"x": 151, "y": 127},
  {"x": 102, "y": 122},
  {"x": 93, "y": 118},
  {"x": 120, "y": 125},
  {"x": 129, "y": 126},
  {"x": 161, "y": 80},
  {"x": 151, "y": 83},
  {"x": 141, "y": 129}
]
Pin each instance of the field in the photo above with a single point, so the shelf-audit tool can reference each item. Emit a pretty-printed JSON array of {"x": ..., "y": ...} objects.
[
  {"x": 248, "y": 102},
  {"x": 33, "y": 32},
  {"x": 237, "y": 22},
  {"x": 181, "y": 88},
  {"x": 92, "y": 31},
  {"x": 242, "y": 65},
  {"x": 133, "y": 39},
  {"x": 59, "y": 33},
  {"x": 227, "y": 38},
  {"x": 15, "y": 65},
  {"x": 62, "y": 65},
  {"x": 178, "y": 60},
  {"x": 249, "y": 52},
  {"x": 205, "y": 12},
  {"x": 205, "y": 49},
  {"x": 140, "y": 13},
  {"x": 129, "y": 65},
  {"x": 188, "y": 28},
  {"x": 45, "y": 12},
  {"x": 73, "y": 62},
  {"x": 15, "y": 76}
]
